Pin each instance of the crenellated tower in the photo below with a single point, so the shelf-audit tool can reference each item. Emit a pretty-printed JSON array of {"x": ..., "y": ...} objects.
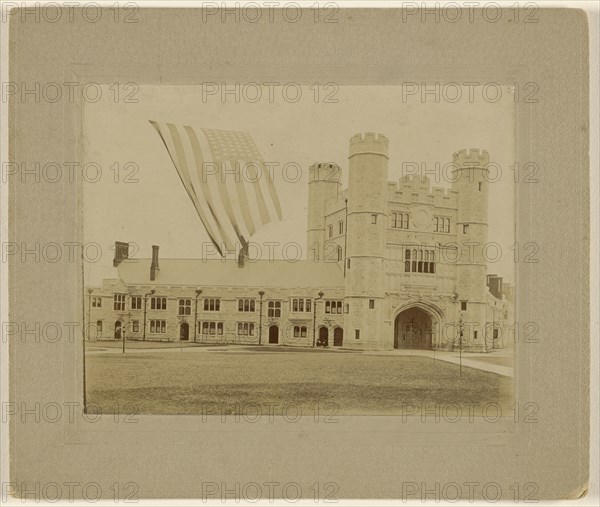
[
  {"x": 324, "y": 183},
  {"x": 366, "y": 235},
  {"x": 471, "y": 181}
]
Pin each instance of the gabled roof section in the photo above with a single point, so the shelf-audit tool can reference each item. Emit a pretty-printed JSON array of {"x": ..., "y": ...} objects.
[{"x": 214, "y": 272}]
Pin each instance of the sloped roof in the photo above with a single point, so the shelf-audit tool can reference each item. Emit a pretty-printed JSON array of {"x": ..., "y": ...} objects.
[{"x": 263, "y": 273}]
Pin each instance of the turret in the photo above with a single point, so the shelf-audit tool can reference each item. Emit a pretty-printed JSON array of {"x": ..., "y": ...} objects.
[
  {"x": 366, "y": 230},
  {"x": 323, "y": 184},
  {"x": 470, "y": 177}
]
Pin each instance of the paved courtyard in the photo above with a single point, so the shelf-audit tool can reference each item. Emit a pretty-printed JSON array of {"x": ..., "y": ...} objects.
[{"x": 173, "y": 379}]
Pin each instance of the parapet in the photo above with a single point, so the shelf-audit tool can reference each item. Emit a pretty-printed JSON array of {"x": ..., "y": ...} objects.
[
  {"x": 328, "y": 172},
  {"x": 369, "y": 142},
  {"x": 472, "y": 158}
]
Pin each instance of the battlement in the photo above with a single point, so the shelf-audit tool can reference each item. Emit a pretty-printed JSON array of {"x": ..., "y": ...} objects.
[
  {"x": 470, "y": 158},
  {"x": 415, "y": 189},
  {"x": 369, "y": 142},
  {"x": 328, "y": 172}
]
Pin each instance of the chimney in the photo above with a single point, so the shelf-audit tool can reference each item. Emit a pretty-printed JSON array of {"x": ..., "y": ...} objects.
[
  {"x": 154, "y": 265},
  {"x": 121, "y": 252}
]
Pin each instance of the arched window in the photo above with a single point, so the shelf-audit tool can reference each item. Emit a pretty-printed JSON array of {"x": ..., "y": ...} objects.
[
  {"x": 407, "y": 266},
  {"x": 432, "y": 267},
  {"x": 339, "y": 252},
  {"x": 407, "y": 254},
  {"x": 414, "y": 266},
  {"x": 436, "y": 221},
  {"x": 420, "y": 266},
  {"x": 394, "y": 220}
]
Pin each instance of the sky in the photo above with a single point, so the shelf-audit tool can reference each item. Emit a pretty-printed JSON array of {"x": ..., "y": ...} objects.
[{"x": 138, "y": 197}]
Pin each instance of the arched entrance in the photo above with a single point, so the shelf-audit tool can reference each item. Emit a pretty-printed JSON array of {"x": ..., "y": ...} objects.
[
  {"x": 184, "y": 332},
  {"x": 273, "y": 334},
  {"x": 338, "y": 337},
  {"x": 413, "y": 329},
  {"x": 323, "y": 337},
  {"x": 118, "y": 330}
]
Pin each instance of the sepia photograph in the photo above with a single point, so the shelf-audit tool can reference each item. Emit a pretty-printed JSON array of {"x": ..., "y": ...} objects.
[
  {"x": 262, "y": 253},
  {"x": 274, "y": 249}
]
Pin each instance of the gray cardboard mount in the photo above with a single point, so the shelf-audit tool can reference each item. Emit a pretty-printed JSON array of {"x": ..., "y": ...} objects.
[{"x": 364, "y": 457}]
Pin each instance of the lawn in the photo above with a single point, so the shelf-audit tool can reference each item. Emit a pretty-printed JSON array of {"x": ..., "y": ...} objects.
[
  {"x": 195, "y": 381},
  {"x": 498, "y": 360}
]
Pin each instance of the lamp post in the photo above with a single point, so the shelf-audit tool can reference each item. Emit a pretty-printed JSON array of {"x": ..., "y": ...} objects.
[
  {"x": 493, "y": 327},
  {"x": 89, "y": 325},
  {"x": 261, "y": 293},
  {"x": 461, "y": 327},
  {"x": 198, "y": 292},
  {"x": 321, "y": 294},
  {"x": 126, "y": 321},
  {"x": 145, "y": 308}
]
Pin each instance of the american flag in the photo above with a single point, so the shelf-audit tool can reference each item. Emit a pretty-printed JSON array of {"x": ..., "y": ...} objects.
[{"x": 226, "y": 179}]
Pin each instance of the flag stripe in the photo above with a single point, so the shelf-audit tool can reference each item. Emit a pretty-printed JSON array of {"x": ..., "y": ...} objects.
[
  {"x": 221, "y": 236},
  {"x": 189, "y": 189},
  {"x": 221, "y": 189}
]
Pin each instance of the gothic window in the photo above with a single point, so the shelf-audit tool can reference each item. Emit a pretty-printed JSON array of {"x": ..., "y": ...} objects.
[
  {"x": 185, "y": 307},
  {"x": 119, "y": 302},
  {"x": 136, "y": 302},
  {"x": 158, "y": 303},
  {"x": 301, "y": 305},
  {"x": 158, "y": 326},
  {"x": 246, "y": 305},
  {"x": 419, "y": 261},
  {"x": 212, "y": 304},
  {"x": 274, "y": 309}
]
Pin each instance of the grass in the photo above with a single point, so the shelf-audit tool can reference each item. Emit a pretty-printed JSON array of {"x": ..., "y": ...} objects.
[
  {"x": 148, "y": 344},
  {"x": 498, "y": 360},
  {"x": 194, "y": 381}
]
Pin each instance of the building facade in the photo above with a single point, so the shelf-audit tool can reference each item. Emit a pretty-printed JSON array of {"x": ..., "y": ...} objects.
[{"x": 391, "y": 265}]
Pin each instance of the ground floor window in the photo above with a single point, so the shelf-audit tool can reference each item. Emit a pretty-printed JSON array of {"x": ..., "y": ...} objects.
[
  {"x": 299, "y": 331},
  {"x": 99, "y": 326},
  {"x": 212, "y": 328},
  {"x": 135, "y": 326},
  {"x": 245, "y": 329},
  {"x": 158, "y": 326}
]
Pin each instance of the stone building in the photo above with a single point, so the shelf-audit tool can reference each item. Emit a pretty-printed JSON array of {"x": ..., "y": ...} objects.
[{"x": 391, "y": 265}]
